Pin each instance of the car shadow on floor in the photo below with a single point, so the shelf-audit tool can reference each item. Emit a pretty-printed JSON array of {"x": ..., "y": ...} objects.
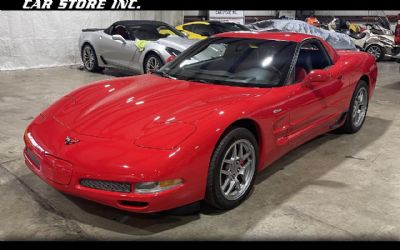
[
  {"x": 395, "y": 86},
  {"x": 111, "y": 72},
  {"x": 333, "y": 146}
]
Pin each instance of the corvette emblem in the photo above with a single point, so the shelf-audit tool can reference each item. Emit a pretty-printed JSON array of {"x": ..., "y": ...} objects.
[{"x": 69, "y": 140}]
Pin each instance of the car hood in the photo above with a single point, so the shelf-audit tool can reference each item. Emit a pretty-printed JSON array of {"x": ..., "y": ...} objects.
[
  {"x": 125, "y": 107},
  {"x": 176, "y": 42}
]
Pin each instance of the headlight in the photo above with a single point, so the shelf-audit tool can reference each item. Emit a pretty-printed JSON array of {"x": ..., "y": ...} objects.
[
  {"x": 172, "y": 51},
  {"x": 156, "y": 186}
]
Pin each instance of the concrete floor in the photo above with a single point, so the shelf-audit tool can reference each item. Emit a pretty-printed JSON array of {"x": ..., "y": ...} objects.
[{"x": 341, "y": 187}]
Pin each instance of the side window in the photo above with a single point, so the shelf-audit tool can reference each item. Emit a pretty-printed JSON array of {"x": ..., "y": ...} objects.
[
  {"x": 204, "y": 30},
  {"x": 189, "y": 27},
  {"x": 201, "y": 29},
  {"x": 311, "y": 56},
  {"x": 121, "y": 30}
]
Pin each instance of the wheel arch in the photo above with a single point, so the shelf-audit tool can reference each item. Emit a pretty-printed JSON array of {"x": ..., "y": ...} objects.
[
  {"x": 252, "y": 125},
  {"x": 150, "y": 52},
  {"x": 366, "y": 79},
  {"x": 249, "y": 124},
  {"x": 84, "y": 44}
]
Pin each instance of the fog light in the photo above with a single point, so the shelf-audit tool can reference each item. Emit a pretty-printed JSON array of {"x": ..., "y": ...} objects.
[{"x": 156, "y": 186}]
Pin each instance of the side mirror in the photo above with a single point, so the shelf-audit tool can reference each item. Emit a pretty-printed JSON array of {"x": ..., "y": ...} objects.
[
  {"x": 119, "y": 38},
  {"x": 318, "y": 75}
]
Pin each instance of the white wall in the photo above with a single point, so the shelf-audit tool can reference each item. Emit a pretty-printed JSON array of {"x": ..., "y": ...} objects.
[
  {"x": 356, "y": 12},
  {"x": 50, "y": 38}
]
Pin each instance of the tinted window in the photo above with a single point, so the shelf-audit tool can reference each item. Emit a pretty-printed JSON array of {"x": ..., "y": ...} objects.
[
  {"x": 312, "y": 56},
  {"x": 201, "y": 29},
  {"x": 152, "y": 32},
  {"x": 227, "y": 27},
  {"x": 122, "y": 31}
]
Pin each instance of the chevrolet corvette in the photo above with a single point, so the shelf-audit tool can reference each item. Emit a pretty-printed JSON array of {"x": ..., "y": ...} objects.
[
  {"x": 201, "y": 127},
  {"x": 137, "y": 45}
]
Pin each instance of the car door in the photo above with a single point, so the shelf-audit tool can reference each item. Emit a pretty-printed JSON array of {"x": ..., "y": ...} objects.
[
  {"x": 312, "y": 102},
  {"x": 115, "y": 52}
]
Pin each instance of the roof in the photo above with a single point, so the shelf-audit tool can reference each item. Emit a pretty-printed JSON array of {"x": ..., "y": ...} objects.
[
  {"x": 197, "y": 22},
  {"x": 284, "y": 36},
  {"x": 207, "y": 22},
  {"x": 139, "y": 22}
]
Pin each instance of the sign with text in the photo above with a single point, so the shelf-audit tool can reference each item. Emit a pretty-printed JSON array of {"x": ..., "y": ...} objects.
[{"x": 236, "y": 16}]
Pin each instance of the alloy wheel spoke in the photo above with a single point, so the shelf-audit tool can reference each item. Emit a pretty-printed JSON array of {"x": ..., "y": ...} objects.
[
  {"x": 227, "y": 180},
  {"x": 234, "y": 153},
  {"x": 225, "y": 172},
  {"x": 231, "y": 185},
  {"x": 229, "y": 161}
]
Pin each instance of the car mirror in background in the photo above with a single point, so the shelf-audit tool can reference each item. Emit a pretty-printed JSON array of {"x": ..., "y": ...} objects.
[
  {"x": 119, "y": 38},
  {"x": 318, "y": 75}
]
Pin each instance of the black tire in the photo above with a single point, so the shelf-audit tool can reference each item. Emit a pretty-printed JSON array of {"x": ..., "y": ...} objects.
[
  {"x": 349, "y": 126},
  {"x": 376, "y": 47},
  {"x": 152, "y": 57},
  {"x": 90, "y": 66},
  {"x": 214, "y": 194}
]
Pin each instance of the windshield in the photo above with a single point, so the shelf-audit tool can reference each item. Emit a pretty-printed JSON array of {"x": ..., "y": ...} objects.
[
  {"x": 152, "y": 32},
  {"x": 235, "y": 61}
]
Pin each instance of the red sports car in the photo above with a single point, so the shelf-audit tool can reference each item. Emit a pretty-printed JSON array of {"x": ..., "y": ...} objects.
[{"x": 202, "y": 126}]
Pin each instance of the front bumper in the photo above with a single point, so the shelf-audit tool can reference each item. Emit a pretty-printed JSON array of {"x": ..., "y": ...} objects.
[
  {"x": 67, "y": 180},
  {"x": 63, "y": 167}
]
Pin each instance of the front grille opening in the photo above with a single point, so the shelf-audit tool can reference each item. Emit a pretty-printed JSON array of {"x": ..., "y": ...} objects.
[
  {"x": 134, "y": 203},
  {"x": 107, "y": 185},
  {"x": 33, "y": 158}
]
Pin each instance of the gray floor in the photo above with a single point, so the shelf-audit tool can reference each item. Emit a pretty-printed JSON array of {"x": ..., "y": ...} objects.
[{"x": 334, "y": 187}]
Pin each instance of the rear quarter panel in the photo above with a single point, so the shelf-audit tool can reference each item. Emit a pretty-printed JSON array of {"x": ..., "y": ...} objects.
[
  {"x": 357, "y": 65},
  {"x": 91, "y": 37}
]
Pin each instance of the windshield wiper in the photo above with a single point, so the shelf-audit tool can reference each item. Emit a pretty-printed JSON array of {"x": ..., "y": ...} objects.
[
  {"x": 193, "y": 79},
  {"x": 163, "y": 74}
]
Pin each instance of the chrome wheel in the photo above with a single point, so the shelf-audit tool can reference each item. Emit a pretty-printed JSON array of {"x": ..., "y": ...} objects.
[
  {"x": 152, "y": 63},
  {"x": 237, "y": 169},
  {"x": 88, "y": 58},
  {"x": 360, "y": 107},
  {"x": 376, "y": 51}
]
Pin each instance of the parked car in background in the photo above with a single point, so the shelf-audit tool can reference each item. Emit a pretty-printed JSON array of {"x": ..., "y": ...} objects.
[
  {"x": 204, "y": 125},
  {"x": 134, "y": 44},
  {"x": 375, "y": 39},
  {"x": 204, "y": 29},
  {"x": 336, "y": 40}
]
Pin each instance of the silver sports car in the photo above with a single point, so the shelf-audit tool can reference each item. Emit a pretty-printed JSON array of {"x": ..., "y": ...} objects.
[{"x": 137, "y": 45}]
